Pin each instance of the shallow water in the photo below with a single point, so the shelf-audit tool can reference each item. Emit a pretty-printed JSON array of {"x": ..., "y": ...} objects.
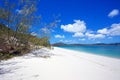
[{"x": 110, "y": 51}]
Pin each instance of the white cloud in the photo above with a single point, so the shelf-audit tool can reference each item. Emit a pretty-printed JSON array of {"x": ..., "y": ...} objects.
[
  {"x": 79, "y": 30},
  {"x": 78, "y": 34},
  {"x": 59, "y": 36},
  {"x": 103, "y": 31},
  {"x": 113, "y": 13},
  {"x": 33, "y": 34},
  {"x": 100, "y": 36},
  {"x": 94, "y": 36},
  {"x": 114, "y": 30},
  {"x": 78, "y": 26}
]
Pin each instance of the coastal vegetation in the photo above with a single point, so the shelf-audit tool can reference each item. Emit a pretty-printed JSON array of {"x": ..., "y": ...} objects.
[
  {"x": 16, "y": 24},
  {"x": 19, "y": 45}
]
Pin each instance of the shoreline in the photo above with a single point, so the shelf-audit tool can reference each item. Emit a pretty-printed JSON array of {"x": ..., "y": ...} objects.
[
  {"x": 64, "y": 64},
  {"x": 89, "y": 53},
  {"x": 82, "y": 54}
]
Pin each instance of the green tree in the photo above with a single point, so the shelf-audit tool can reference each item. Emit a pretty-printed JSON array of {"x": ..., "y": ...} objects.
[{"x": 19, "y": 15}]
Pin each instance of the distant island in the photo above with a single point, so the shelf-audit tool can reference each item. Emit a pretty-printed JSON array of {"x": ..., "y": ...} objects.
[{"x": 101, "y": 44}]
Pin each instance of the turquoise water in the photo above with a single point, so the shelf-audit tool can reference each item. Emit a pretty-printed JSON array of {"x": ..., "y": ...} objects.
[{"x": 110, "y": 51}]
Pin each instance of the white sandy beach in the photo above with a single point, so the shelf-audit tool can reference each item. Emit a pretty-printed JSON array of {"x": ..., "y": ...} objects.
[{"x": 63, "y": 65}]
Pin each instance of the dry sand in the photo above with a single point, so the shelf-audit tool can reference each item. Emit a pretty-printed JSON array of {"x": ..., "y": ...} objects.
[{"x": 63, "y": 65}]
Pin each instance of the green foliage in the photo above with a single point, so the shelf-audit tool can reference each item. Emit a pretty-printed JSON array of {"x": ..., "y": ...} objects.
[
  {"x": 24, "y": 41},
  {"x": 15, "y": 26},
  {"x": 5, "y": 56},
  {"x": 45, "y": 41},
  {"x": 19, "y": 17}
]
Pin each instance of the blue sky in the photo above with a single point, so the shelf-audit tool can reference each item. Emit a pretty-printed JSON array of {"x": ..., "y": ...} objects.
[{"x": 83, "y": 21}]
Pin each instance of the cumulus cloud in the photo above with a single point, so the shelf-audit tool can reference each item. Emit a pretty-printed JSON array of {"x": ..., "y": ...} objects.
[
  {"x": 78, "y": 34},
  {"x": 100, "y": 36},
  {"x": 59, "y": 36},
  {"x": 77, "y": 26},
  {"x": 114, "y": 30},
  {"x": 94, "y": 36},
  {"x": 103, "y": 31},
  {"x": 113, "y": 13}
]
